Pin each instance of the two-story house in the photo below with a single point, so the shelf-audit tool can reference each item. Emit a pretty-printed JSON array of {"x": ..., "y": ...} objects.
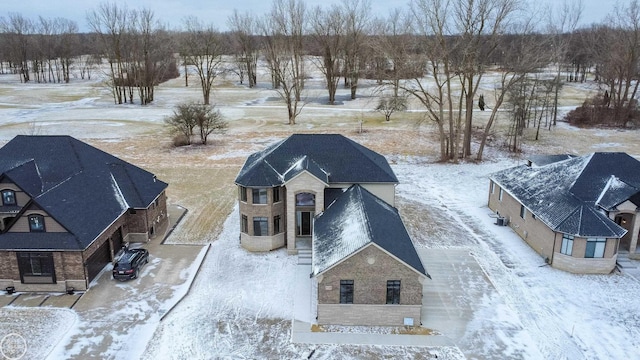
[{"x": 333, "y": 197}]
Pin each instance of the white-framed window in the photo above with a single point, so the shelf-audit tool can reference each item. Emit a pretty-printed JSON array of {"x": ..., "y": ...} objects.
[
  {"x": 242, "y": 191},
  {"x": 523, "y": 211},
  {"x": 595, "y": 248},
  {"x": 259, "y": 196},
  {"x": 276, "y": 194},
  {"x": 492, "y": 187},
  {"x": 260, "y": 226},
  {"x": 500, "y": 194},
  {"x": 567, "y": 244},
  {"x": 8, "y": 197},
  {"x": 36, "y": 223}
]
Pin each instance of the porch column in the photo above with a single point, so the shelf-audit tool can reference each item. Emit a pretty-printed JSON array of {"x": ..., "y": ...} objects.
[
  {"x": 635, "y": 228},
  {"x": 291, "y": 221}
]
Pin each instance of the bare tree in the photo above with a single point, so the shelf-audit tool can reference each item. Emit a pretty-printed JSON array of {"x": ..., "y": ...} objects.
[
  {"x": 283, "y": 30},
  {"x": 209, "y": 121},
  {"x": 619, "y": 60},
  {"x": 17, "y": 31},
  {"x": 562, "y": 23},
  {"x": 458, "y": 39},
  {"x": 203, "y": 48},
  {"x": 110, "y": 22},
  {"x": 329, "y": 34},
  {"x": 526, "y": 55},
  {"x": 188, "y": 116},
  {"x": 357, "y": 18},
  {"x": 244, "y": 30},
  {"x": 388, "y": 105}
]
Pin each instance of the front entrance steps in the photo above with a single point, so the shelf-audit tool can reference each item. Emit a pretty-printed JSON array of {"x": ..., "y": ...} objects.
[
  {"x": 623, "y": 262},
  {"x": 304, "y": 256}
]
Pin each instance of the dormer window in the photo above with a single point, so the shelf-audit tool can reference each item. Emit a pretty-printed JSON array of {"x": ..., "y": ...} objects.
[
  {"x": 8, "y": 197},
  {"x": 36, "y": 223}
]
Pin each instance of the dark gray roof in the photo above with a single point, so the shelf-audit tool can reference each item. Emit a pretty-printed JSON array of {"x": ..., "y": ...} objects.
[
  {"x": 355, "y": 220},
  {"x": 571, "y": 196},
  {"x": 81, "y": 187},
  {"x": 542, "y": 160},
  {"x": 331, "y": 158}
]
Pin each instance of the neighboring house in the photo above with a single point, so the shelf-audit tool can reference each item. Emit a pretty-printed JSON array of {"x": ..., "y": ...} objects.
[
  {"x": 327, "y": 195},
  {"x": 67, "y": 208},
  {"x": 577, "y": 213}
]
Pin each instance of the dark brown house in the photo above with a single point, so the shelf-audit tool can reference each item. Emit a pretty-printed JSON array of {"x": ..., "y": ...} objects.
[{"x": 67, "y": 208}]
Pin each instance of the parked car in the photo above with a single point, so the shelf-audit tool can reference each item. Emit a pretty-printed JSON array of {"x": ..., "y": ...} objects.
[{"x": 128, "y": 265}]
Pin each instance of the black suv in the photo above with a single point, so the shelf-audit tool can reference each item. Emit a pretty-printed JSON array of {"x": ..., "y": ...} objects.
[{"x": 128, "y": 265}]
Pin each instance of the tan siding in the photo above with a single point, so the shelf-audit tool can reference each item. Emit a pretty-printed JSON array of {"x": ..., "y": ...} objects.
[{"x": 22, "y": 223}]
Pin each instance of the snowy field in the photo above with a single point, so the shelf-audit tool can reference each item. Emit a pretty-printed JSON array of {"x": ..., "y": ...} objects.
[{"x": 240, "y": 305}]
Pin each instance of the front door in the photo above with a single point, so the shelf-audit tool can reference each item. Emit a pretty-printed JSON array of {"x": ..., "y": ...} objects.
[
  {"x": 625, "y": 221},
  {"x": 304, "y": 223}
]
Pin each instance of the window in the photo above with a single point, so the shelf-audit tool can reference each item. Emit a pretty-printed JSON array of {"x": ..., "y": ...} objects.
[
  {"x": 276, "y": 194},
  {"x": 276, "y": 224},
  {"x": 259, "y": 196},
  {"x": 305, "y": 199},
  {"x": 393, "y": 291},
  {"x": 260, "y": 227},
  {"x": 8, "y": 197},
  {"x": 492, "y": 187},
  {"x": 595, "y": 248},
  {"x": 242, "y": 193},
  {"x": 346, "y": 291},
  {"x": 567, "y": 244},
  {"x": 500, "y": 195},
  {"x": 244, "y": 224},
  {"x": 36, "y": 268},
  {"x": 36, "y": 223},
  {"x": 523, "y": 211}
]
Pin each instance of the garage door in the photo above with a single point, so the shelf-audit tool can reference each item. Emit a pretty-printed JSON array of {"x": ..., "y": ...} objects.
[{"x": 98, "y": 260}]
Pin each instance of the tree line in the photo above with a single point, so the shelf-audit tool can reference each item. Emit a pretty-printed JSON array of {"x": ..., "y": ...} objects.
[{"x": 437, "y": 52}]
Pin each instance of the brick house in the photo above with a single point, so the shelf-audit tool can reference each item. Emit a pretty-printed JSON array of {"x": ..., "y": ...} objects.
[
  {"x": 579, "y": 213},
  {"x": 300, "y": 192},
  {"x": 67, "y": 209}
]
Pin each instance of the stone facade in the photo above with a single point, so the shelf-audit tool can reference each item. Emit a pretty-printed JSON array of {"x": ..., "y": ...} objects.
[
  {"x": 367, "y": 315},
  {"x": 269, "y": 210},
  {"x": 370, "y": 268},
  {"x": 547, "y": 242}
]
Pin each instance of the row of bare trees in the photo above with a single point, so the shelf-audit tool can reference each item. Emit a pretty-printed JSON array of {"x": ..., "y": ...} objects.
[
  {"x": 438, "y": 52},
  {"x": 138, "y": 49},
  {"x": 40, "y": 50}
]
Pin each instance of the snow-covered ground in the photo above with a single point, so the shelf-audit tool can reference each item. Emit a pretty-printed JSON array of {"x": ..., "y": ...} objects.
[{"x": 240, "y": 305}]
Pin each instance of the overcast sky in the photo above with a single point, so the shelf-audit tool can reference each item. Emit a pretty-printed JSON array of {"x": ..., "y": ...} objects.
[{"x": 172, "y": 12}]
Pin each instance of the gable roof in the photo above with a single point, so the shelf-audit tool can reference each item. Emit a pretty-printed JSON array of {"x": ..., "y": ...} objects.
[
  {"x": 355, "y": 220},
  {"x": 571, "y": 196},
  {"x": 81, "y": 187},
  {"x": 332, "y": 158}
]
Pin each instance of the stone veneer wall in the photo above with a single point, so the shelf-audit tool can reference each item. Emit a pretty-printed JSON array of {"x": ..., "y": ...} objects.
[{"x": 367, "y": 315}]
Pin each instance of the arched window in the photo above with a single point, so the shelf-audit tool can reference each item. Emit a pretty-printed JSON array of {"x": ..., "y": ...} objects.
[
  {"x": 36, "y": 223},
  {"x": 8, "y": 197},
  {"x": 305, "y": 199}
]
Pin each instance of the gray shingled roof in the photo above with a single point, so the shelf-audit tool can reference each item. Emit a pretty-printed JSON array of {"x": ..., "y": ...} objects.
[
  {"x": 81, "y": 187},
  {"x": 354, "y": 220},
  {"x": 330, "y": 157},
  {"x": 571, "y": 196}
]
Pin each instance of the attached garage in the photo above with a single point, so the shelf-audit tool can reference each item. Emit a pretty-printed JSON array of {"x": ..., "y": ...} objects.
[{"x": 98, "y": 260}]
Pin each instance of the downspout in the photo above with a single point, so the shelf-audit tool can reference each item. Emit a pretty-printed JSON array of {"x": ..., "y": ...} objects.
[{"x": 553, "y": 251}]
